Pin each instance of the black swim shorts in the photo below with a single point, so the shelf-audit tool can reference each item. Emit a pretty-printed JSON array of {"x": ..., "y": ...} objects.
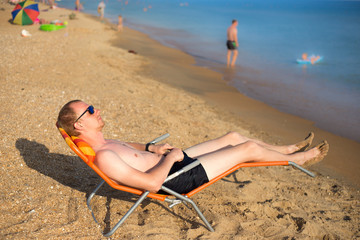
[
  {"x": 189, "y": 180},
  {"x": 231, "y": 45}
]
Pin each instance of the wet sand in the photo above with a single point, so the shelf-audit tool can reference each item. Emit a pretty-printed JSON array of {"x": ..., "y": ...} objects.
[{"x": 44, "y": 185}]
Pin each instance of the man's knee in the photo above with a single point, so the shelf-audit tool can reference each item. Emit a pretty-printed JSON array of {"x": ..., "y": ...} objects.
[
  {"x": 235, "y": 137},
  {"x": 250, "y": 148},
  {"x": 250, "y": 145}
]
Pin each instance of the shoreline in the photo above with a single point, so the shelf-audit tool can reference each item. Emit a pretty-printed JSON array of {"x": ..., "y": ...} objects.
[
  {"x": 307, "y": 92},
  {"x": 45, "y": 185},
  {"x": 209, "y": 85},
  {"x": 334, "y": 116}
]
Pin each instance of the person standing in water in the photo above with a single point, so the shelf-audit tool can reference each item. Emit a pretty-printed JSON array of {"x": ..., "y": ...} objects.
[
  {"x": 120, "y": 24},
  {"x": 78, "y": 6},
  {"x": 232, "y": 43},
  {"x": 101, "y": 9}
]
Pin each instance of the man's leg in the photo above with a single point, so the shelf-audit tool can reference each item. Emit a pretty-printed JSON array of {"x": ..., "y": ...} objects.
[
  {"x": 234, "y": 138},
  {"x": 235, "y": 53},
  {"x": 221, "y": 160},
  {"x": 228, "y": 58}
]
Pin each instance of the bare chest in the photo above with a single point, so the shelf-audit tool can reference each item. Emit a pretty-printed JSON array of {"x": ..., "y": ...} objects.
[{"x": 137, "y": 159}]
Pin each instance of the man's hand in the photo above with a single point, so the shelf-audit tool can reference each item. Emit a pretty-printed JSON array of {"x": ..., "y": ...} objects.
[
  {"x": 161, "y": 148},
  {"x": 176, "y": 155}
]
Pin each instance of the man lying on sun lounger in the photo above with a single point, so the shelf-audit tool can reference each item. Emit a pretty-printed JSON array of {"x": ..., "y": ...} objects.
[{"x": 147, "y": 166}]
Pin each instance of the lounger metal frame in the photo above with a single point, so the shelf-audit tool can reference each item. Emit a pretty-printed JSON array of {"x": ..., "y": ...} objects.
[{"x": 173, "y": 198}]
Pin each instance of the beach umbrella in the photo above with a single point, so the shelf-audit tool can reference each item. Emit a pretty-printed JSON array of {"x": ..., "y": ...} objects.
[{"x": 25, "y": 12}]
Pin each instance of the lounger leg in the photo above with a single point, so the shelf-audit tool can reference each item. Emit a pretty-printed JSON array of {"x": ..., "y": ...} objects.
[
  {"x": 131, "y": 210},
  {"x": 302, "y": 169},
  {"x": 122, "y": 220},
  {"x": 90, "y": 198},
  {"x": 186, "y": 199}
]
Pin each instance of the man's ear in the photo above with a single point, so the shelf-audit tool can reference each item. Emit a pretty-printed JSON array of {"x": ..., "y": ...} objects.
[{"x": 78, "y": 125}]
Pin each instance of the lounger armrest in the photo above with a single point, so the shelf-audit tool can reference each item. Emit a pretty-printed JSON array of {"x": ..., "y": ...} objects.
[
  {"x": 159, "y": 139},
  {"x": 181, "y": 171}
]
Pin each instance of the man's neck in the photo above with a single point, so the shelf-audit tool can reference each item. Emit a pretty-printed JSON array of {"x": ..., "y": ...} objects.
[{"x": 94, "y": 139}]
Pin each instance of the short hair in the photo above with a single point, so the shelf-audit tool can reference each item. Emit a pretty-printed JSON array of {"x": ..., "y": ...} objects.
[
  {"x": 67, "y": 117},
  {"x": 234, "y": 21}
]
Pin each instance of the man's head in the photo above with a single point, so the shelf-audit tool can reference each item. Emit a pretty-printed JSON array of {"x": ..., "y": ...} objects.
[
  {"x": 234, "y": 22},
  {"x": 75, "y": 115}
]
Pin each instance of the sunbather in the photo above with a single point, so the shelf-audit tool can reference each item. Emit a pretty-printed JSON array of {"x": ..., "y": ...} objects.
[{"x": 145, "y": 166}]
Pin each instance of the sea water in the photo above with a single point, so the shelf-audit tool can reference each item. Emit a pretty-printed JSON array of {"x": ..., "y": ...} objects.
[{"x": 272, "y": 35}]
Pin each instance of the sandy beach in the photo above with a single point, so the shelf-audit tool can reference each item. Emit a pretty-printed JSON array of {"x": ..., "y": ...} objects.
[{"x": 141, "y": 96}]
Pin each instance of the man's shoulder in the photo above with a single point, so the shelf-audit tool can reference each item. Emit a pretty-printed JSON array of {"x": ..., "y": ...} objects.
[
  {"x": 101, "y": 153},
  {"x": 232, "y": 28},
  {"x": 109, "y": 148},
  {"x": 106, "y": 149}
]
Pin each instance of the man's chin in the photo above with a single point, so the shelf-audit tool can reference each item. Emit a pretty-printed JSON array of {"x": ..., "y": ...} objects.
[{"x": 102, "y": 124}]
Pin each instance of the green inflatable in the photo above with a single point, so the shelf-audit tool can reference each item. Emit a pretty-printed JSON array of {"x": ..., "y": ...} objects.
[{"x": 51, "y": 27}]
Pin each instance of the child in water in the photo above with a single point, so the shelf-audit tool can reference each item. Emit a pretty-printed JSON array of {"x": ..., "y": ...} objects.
[{"x": 312, "y": 59}]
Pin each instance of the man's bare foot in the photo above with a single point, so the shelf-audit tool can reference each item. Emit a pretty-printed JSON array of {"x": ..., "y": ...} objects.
[
  {"x": 323, "y": 147},
  {"x": 305, "y": 144}
]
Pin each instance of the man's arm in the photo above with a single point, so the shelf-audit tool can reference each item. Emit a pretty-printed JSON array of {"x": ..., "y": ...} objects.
[
  {"x": 115, "y": 168},
  {"x": 235, "y": 37},
  {"x": 138, "y": 146},
  {"x": 160, "y": 148}
]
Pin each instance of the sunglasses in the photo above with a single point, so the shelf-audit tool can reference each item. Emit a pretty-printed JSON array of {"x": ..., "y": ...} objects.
[{"x": 90, "y": 109}]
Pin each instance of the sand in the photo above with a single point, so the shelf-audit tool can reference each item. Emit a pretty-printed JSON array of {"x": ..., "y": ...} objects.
[{"x": 44, "y": 185}]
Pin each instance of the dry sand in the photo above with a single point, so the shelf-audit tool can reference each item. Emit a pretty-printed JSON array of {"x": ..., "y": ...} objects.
[{"x": 44, "y": 185}]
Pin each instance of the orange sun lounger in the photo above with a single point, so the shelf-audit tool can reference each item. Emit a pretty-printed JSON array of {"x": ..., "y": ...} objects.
[{"x": 87, "y": 154}]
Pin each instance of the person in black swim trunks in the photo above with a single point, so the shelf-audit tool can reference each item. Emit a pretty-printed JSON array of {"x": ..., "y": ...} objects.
[
  {"x": 147, "y": 166},
  {"x": 232, "y": 43}
]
